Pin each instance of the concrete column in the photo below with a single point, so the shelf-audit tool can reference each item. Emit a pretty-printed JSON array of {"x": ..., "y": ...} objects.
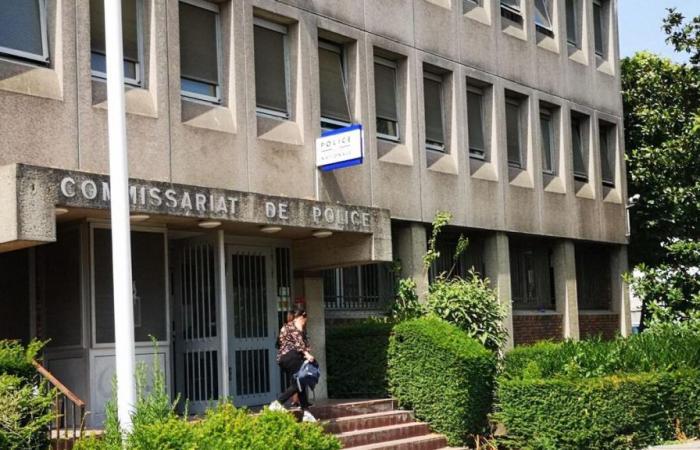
[
  {"x": 620, "y": 289},
  {"x": 412, "y": 246},
  {"x": 564, "y": 262},
  {"x": 310, "y": 286},
  {"x": 497, "y": 262}
]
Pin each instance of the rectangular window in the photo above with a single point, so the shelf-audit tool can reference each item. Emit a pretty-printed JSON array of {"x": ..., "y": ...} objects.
[
  {"x": 271, "y": 69},
  {"x": 547, "y": 128},
  {"x": 530, "y": 275},
  {"x": 367, "y": 287},
  {"x": 386, "y": 99},
  {"x": 468, "y": 4},
  {"x": 598, "y": 28},
  {"x": 432, "y": 96},
  {"x": 543, "y": 17},
  {"x": 200, "y": 51},
  {"x": 475, "y": 122},
  {"x": 23, "y": 29},
  {"x": 335, "y": 112},
  {"x": 593, "y": 280},
  {"x": 579, "y": 152},
  {"x": 131, "y": 38},
  {"x": 510, "y": 9},
  {"x": 607, "y": 154},
  {"x": 513, "y": 132},
  {"x": 572, "y": 23}
]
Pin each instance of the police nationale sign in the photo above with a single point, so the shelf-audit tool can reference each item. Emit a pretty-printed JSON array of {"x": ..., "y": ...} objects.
[{"x": 339, "y": 148}]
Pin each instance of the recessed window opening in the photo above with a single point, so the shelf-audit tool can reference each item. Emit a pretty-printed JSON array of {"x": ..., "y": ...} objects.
[
  {"x": 543, "y": 17},
  {"x": 510, "y": 9},
  {"x": 271, "y": 69},
  {"x": 386, "y": 98},
  {"x": 23, "y": 30},
  {"x": 598, "y": 28},
  {"x": 132, "y": 38},
  {"x": 579, "y": 152},
  {"x": 335, "y": 112},
  {"x": 475, "y": 122},
  {"x": 200, "y": 50},
  {"x": 607, "y": 154},
  {"x": 547, "y": 129},
  {"x": 468, "y": 4},
  {"x": 531, "y": 274},
  {"x": 572, "y": 27},
  {"x": 514, "y": 132},
  {"x": 434, "y": 120}
]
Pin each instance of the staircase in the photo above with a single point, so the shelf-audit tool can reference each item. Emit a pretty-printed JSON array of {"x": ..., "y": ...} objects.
[{"x": 376, "y": 425}]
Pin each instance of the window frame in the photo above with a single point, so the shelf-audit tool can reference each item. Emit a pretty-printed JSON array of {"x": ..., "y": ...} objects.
[
  {"x": 549, "y": 115},
  {"x": 601, "y": 53},
  {"x": 511, "y": 13},
  {"x": 435, "y": 146},
  {"x": 577, "y": 123},
  {"x": 138, "y": 81},
  {"x": 395, "y": 66},
  {"x": 219, "y": 54},
  {"x": 548, "y": 31},
  {"x": 518, "y": 104},
  {"x": 44, "y": 57},
  {"x": 574, "y": 10},
  {"x": 284, "y": 31},
  {"x": 475, "y": 152},
  {"x": 340, "y": 50},
  {"x": 606, "y": 131}
]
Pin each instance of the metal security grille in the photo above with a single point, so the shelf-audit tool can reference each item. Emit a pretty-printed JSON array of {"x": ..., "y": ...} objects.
[
  {"x": 252, "y": 372},
  {"x": 283, "y": 263},
  {"x": 358, "y": 288},
  {"x": 197, "y": 324}
]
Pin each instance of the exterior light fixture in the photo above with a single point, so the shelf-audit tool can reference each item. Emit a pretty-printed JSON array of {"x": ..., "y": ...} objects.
[
  {"x": 60, "y": 211},
  {"x": 139, "y": 217},
  {"x": 320, "y": 234},
  {"x": 270, "y": 229},
  {"x": 209, "y": 223}
]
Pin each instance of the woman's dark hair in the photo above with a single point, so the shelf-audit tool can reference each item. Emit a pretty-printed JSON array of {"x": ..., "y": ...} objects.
[{"x": 299, "y": 312}]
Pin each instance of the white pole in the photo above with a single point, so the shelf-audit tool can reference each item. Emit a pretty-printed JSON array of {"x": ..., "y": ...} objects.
[{"x": 121, "y": 232}]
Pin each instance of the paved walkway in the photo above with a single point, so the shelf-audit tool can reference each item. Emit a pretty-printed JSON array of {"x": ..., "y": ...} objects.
[{"x": 695, "y": 445}]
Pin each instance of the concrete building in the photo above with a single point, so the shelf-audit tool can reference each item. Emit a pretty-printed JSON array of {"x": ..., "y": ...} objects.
[{"x": 505, "y": 113}]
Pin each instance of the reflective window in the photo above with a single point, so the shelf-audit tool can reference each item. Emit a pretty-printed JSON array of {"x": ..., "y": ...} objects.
[
  {"x": 335, "y": 112},
  {"x": 199, "y": 50},
  {"x": 543, "y": 19},
  {"x": 579, "y": 152},
  {"x": 475, "y": 122},
  {"x": 131, "y": 38},
  {"x": 271, "y": 69},
  {"x": 386, "y": 99},
  {"x": 23, "y": 29},
  {"x": 547, "y": 129},
  {"x": 513, "y": 132},
  {"x": 432, "y": 95}
]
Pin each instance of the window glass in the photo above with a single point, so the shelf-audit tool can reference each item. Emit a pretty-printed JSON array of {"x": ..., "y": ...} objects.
[
  {"x": 571, "y": 23},
  {"x": 23, "y": 28},
  {"x": 542, "y": 15},
  {"x": 199, "y": 52},
  {"x": 148, "y": 272},
  {"x": 130, "y": 38},
  {"x": 450, "y": 265},
  {"x": 531, "y": 274},
  {"x": 513, "y": 132},
  {"x": 593, "y": 280},
  {"x": 512, "y": 4},
  {"x": 580, "y": 166},
  {"x": 598, "y": 28},
  {"x": 547, "y": 142},
  {"x": 475, "y": 122},
  {"x": 271, "y": 71},
  {"x": 607, "y": 155},
  {"x": 434, "y": 133},
  {"x": 385, "y": 99},
  {"x": 334, "y": 100}
]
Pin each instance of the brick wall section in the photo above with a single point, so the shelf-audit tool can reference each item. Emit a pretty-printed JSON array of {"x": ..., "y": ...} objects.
[
  {"x": 606, "y": 326},
  {"x": 530, "y": 328}
]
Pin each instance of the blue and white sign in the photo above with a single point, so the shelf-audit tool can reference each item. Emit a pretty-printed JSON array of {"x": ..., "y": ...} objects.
[{"x": 339, "y": 148}]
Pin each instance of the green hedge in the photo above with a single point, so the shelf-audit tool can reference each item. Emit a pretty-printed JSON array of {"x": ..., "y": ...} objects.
[
  {"x": 443, "y": 374},
  {"x": 356, "y": 359},
  {"x": 629, "y": 411},
  {"x": 16, "y": 359}
]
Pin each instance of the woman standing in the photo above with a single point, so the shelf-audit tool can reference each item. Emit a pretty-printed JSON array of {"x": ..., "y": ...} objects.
[{"x": 293, "y": 350}]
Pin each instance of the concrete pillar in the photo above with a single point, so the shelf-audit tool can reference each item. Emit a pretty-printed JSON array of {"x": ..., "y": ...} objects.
[
  {"x": 497, "y": 262},
  {"x": 564, "y": 263},
  {"x": 310, "y": 286},
  {"x": 620, "y": 289},
  {"x": 412, "y": 246}
]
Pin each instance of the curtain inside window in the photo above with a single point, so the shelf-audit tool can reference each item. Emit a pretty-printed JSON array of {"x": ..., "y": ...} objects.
[
  {"x": 20, "y": 26},
  {"x": 513, "y": 133},
  {"x": 432, "y": 91},
  {"x": 385, "y": 92},
  {"x": 270, "y": 70},
  {"x": 199, "y": 58},
  {"x": 334, "y": 101},
  {"x": 475, "y": 122}
]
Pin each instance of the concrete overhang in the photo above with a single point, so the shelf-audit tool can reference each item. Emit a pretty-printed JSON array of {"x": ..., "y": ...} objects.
[{"x": 30, "y": 195}]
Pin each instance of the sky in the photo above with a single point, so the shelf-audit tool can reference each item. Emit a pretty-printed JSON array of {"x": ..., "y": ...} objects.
[{"x": 640, "y": 25}]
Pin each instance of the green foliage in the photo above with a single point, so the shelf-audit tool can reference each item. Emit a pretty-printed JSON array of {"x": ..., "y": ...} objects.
[
  {"x": 622, "y": 412},
  {"x": 406, "y": 305},
  {"x": 444, "y": 375},
  {"x": 16, "y": 359},
  {"x": 441, "y": 220},
  {"x": 356, "y": 359},
  {"x": 684, "y": 36},
  {"x": 471, "y": 305}
]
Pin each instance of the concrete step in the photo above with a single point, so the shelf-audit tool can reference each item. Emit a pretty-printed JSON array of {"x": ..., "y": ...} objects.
[
  {"x": 426, "y": 442},
  {"x": 352, "y": 408},
  {"x": 396, "y": 432},
  {"x": 365, "y": 421}
]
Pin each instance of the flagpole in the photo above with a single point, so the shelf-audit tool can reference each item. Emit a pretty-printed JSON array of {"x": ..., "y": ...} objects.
[{"x": 121, "y": 232}]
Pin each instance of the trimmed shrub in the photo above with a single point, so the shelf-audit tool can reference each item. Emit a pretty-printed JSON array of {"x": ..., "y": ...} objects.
[
  {"x": 627, "y": 411},
  {"x": 25, "y": 413},
  {"x": 356, "y": 359},
  {"x": 444, "y": 375}
]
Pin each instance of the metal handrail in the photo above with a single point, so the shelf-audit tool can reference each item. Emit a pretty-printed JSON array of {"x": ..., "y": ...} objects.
[{"x": 71, "y": 425}]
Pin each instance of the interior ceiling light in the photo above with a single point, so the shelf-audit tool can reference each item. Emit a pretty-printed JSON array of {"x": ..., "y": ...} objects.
[
  {"x": 139, "y": 217},
  {"x": 209, "y": 223},
  {"x": 60, "y": 211},
  {"x": 270, "y": 229},
  {"x": 321, "y": 234}
]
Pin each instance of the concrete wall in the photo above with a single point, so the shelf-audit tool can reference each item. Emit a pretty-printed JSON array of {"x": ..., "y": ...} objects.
[{"x": 56, "y": 115}]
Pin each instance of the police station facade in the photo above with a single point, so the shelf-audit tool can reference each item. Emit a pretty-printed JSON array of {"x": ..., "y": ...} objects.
[{"x": 505, "y": 113}]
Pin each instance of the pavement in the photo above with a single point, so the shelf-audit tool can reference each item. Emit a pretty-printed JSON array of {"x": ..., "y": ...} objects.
[{"x": 694, "y": 445}]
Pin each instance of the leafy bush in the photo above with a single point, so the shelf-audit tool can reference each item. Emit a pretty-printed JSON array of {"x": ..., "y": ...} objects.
[
  {"x": 16, "y": 359},
  {"x": 406, "y": 304},
  {"x": 356, "y": 359},
  {"x": 629, "y": 411},
  {"x": 443, "y": 374},
  {"x": 472, "y": 306}
]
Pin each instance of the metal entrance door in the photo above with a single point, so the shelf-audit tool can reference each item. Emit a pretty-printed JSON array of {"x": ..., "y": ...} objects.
[
  {"x": 197, "y": 344},
  {"x": 253, "y": 325}
]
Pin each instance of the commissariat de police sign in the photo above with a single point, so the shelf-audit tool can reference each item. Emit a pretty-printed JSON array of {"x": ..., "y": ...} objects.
[{"x": 339, "y": 148}]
